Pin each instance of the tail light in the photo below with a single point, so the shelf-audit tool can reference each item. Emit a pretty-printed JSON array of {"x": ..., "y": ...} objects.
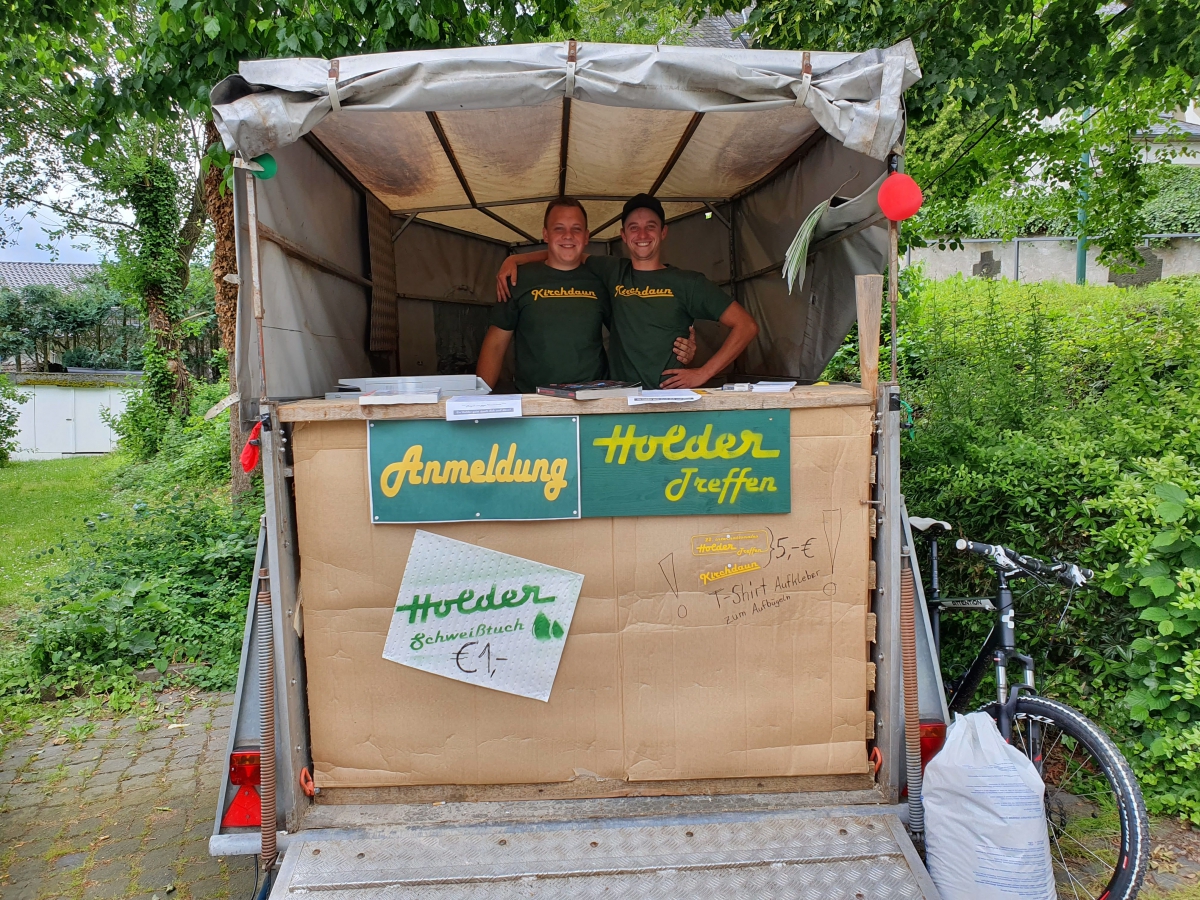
[
  {"x": 933, "y": 735},
  {"x": 245, "y": 767},
  {"x": 245, "y": 771}
]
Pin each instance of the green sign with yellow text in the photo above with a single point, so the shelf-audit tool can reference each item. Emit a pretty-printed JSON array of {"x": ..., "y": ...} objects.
[
  {"x": 686, "y": 463},
  {"x": 430, "y": 470}
]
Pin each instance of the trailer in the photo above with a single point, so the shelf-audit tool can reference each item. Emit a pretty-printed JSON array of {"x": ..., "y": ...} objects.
[{"x": 719, "y": 708}]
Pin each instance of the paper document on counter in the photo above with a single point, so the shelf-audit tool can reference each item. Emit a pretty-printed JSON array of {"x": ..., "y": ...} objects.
[
  {"x": 672, "y": 396},
  {"x": 491, "y": 406}
]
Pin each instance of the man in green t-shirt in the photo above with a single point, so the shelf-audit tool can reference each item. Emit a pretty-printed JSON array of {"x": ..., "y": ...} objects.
[
  {"x": 556, "y": 313},
  {"x": 653, "y": 305}
]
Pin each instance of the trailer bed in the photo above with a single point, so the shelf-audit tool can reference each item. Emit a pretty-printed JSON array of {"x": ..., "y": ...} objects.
[{"x": 853, "y": 852}]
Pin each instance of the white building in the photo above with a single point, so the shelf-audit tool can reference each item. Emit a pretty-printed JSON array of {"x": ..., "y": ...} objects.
[{"x": 62, "y": 415}]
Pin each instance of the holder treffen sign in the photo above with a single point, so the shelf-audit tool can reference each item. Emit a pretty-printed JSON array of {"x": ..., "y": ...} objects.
[
  {"x": 686, "y": 464},
  {"x": 482, "y": 617}
]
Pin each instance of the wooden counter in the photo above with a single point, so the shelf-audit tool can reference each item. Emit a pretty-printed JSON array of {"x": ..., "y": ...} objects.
[{"x": 807, "y": 396}]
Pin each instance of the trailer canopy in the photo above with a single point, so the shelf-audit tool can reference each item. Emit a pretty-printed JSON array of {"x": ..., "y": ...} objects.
[{"x": 467, "y": 146}]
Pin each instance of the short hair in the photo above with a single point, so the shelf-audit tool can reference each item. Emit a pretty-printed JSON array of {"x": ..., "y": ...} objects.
[{"x": 568, "y": 202}]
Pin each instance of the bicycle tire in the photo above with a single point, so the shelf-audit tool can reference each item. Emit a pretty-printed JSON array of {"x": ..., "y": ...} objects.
[{"x": 1133, "y": 852}]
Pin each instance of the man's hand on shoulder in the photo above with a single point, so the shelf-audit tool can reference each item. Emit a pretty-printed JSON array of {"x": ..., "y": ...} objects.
[
  {"x": 506, "y": 276},
  {"x": 508, "y": 271}
]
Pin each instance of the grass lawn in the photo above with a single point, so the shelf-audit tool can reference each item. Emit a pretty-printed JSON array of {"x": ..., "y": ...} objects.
[{"x": 42, "y": 504}]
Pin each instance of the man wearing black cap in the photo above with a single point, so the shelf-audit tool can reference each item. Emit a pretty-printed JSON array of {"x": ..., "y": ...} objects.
[{"x": 654, "y": 304}]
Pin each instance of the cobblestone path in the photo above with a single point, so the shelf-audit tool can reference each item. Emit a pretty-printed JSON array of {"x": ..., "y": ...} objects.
[{"x": 125, "y": 812}]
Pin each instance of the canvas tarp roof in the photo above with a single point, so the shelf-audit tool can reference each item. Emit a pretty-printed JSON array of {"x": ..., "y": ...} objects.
[
  {"x": 496, "y": 135},
  {"x": 469, "y": 144}
]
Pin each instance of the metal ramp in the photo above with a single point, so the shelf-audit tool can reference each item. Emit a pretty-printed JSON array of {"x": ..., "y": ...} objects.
[{"x": 761, "y": 856}]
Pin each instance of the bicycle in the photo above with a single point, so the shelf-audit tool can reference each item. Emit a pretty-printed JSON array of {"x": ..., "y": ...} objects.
[{"x": 1096, "y": 818}]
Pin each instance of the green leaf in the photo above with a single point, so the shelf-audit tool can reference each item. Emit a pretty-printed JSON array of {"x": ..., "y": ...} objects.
[
  {"x": 1142, "y": 645},
  {"x": 1155, "y": 614},
  {"x": 1162, "y": 586},
  {"x": 1172, "y": 493},
  {"x": 1170, "y": 511},
  {"x": 1191, "y": 557},
  {"x": 212, "y": 27},
  {"x": 1164, "y": 539},
  {"x": 1139, "y": 597},
  {"x": 1153, "y": 568},
  {"x": 1166, "y": 627}
]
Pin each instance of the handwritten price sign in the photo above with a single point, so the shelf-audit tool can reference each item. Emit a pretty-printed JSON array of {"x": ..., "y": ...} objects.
[{"x": 483, "y": 617}]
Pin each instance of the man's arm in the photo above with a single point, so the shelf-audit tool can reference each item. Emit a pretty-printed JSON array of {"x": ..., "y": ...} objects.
[
  {"x": 508, "y": 271},
  {"x": 742, "y": 330},
  {"x": 491, "y": 355}
]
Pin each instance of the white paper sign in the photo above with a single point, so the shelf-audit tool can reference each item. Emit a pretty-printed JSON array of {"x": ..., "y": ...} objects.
[
  {"x": 493, "y": 406},
  {"x": 663, "y": 396},
  {"x": 483, "y": 617}
]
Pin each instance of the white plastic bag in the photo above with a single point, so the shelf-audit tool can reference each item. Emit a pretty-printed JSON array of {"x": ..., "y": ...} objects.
[{"x": 985, "y": 823}]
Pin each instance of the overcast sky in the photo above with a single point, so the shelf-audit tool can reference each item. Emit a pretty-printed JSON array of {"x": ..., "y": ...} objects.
[{"x": 24, "y": 249}]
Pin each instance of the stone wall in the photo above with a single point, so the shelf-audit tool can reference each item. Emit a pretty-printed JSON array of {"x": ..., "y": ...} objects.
[{"x": 1053, "y": 259}]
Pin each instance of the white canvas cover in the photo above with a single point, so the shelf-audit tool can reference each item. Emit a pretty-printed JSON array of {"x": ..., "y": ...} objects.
[{"x": 470, "y": 144}]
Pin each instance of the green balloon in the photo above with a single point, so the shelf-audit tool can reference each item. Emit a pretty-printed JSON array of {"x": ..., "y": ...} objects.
[{"x": 270, "y": 167}]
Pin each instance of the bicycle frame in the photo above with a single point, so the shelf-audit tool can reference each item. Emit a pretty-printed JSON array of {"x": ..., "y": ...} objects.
[{"x": 999, "y": 649}]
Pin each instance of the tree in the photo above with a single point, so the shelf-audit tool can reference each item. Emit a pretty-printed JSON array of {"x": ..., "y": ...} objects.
[
  {"x": 56, "y": 60},
  {"x": 1018, "y": 90},
  {"x": 190, "y": 46}
]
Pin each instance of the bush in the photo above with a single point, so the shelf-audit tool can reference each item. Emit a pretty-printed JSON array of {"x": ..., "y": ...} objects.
[
  {"x": 163, "y": 581},
  {"x": 1065, "y": 421},
  {"x": 10, "y": 399}
]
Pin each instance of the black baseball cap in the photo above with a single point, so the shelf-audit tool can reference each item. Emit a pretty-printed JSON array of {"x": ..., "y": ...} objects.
[{"x": 643, "y": 201}]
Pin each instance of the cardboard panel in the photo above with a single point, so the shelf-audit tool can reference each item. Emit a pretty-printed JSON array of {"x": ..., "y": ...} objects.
[{"x": 666, "y": 675}]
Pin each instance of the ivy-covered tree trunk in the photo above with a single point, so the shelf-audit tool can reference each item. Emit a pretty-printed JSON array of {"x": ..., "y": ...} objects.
[
  {"x": 220, "y": 213},
  {"x": 161, "y": 272}
]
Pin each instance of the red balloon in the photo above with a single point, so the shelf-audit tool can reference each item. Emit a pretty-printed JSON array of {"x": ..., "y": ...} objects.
[{"x": 900, "y": 197}]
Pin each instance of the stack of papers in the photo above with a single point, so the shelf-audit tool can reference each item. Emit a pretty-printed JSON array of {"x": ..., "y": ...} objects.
[
  {"x": 444, "y": 385},
  {"x": 675, "y": 396},
  {"x": 773, "y": 387}
]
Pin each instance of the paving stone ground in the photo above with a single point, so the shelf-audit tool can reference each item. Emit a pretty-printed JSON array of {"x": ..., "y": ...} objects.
[
  {"x": 123, "y": 814},
  {"x": 126, "y": 812}
]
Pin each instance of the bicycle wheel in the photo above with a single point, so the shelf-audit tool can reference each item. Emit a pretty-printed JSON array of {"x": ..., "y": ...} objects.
[{"x": 1099, "y": 830}]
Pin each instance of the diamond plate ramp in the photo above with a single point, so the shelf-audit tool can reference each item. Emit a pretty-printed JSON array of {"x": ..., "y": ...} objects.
[{"x": 756, "y": 857}]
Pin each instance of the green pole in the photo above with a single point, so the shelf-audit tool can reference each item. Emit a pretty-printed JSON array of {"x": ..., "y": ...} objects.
[{"x": 1081, "y": 243}]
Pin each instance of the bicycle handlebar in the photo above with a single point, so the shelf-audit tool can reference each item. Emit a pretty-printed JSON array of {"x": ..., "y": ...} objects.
[{"x": 1013, "y": 563}]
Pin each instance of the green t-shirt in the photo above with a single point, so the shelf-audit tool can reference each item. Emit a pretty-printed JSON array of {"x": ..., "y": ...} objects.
[
  {"x": 649, "y": 311},
  {"x": 557, "y": 316}
]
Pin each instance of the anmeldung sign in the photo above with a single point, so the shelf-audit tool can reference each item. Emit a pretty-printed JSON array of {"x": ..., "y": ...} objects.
[
  {"x": 686, "y": 463},
  {"x": 482, "y": 617},
  {"x": 428, "y": 470}
]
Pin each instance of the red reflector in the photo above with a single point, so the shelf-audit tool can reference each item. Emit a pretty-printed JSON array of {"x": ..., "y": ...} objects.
[
  {"x": 245, "y": 811},
  {"x": 245, "y": 767},
  {"x": 933, "y": 735}
]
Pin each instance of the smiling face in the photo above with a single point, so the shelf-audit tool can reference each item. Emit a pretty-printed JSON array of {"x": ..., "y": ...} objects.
[
  {"x": 643, "y": 233},
  {"x": 566, "y": 237}
]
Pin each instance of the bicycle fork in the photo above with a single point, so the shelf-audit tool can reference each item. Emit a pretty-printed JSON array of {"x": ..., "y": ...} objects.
[{"x": 1007, "y": 696}]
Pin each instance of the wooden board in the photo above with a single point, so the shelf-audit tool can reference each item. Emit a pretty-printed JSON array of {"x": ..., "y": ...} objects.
[{"x": 831, "y": 395}]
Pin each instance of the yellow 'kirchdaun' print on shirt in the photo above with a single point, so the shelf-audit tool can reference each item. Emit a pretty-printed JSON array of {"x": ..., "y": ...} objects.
[
  {"x": 644, "y": 293},
  {"x": 551, "y": 293}
]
